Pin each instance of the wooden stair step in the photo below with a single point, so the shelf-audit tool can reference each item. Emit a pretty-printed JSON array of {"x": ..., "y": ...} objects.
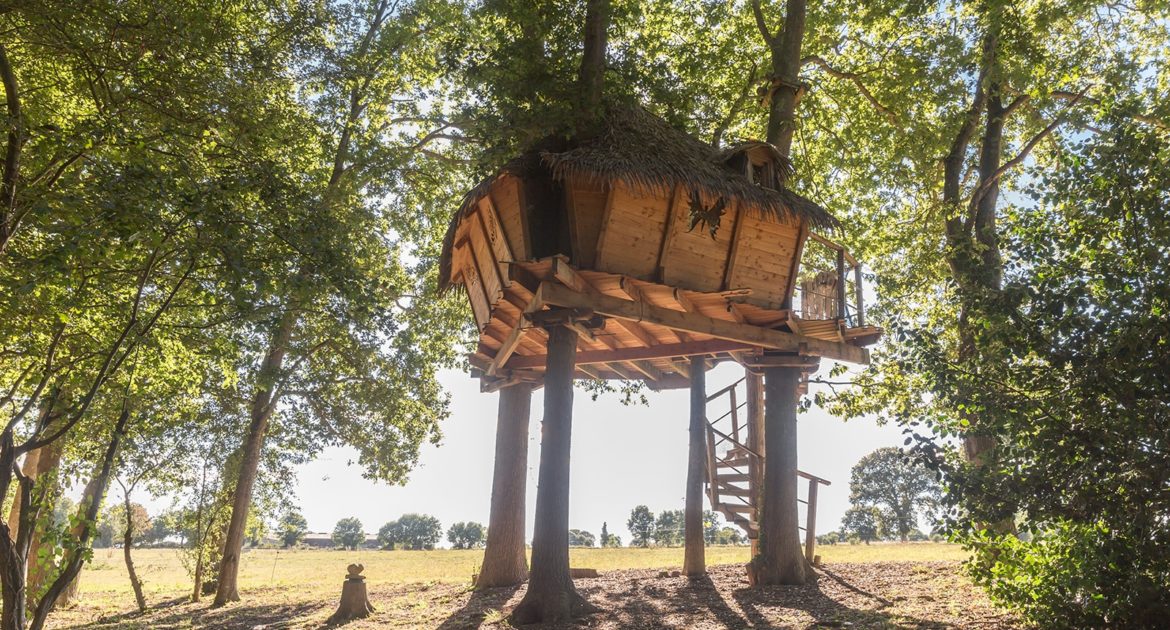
[
  {"x": 731, "y": 477},
  {"x": 734, "y": 491},
  {"x": 737, "y": 507},
  {"x": 735, "y": 461}
]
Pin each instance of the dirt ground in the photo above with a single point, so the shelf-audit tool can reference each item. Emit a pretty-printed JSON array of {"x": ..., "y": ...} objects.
[{"x": 844, "y": 595}]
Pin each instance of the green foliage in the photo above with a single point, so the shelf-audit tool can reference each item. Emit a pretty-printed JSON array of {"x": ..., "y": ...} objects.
[
  {"x": 711, "y": 527},
  {"x": 830, "y": 538},
  {"x": 730, "y": 536},
  {"x": 469, "y": 535},
  {"x": 581, "y": 538},
  {"x": 411, "y": 531},
  {"x": 901, "y": 487},
  {"x": 292, "y": 528},
  {"x": 1078, "y": 403},
  {"x": 863, "y": 522},
  {"x": 349, "y": 534},
  {"x": 641, "y": 526},
  {"x": 668, "y": 528}
]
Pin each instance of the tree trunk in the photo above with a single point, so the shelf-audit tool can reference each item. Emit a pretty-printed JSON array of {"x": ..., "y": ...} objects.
[
  {"x": 551, "y": 596},
  {"x": 504, "y": 563},
  {"x": 92, "y": 502},
  {"x": 127, "y": 545},
  {"x": 262, "y": 406},
  {"x": 591, "y": 78},
  {"x": 14, "y": 548},
  {"x": 754, "y": 382},
  {"x": 785, "y": 51},
  {"x": 694, "y": 560},
  {"x": 40, "y": 465},
  {"x": 780, "y": 560}
]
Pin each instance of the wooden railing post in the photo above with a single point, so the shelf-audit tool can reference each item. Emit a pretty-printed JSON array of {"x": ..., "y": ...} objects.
[
  {"x": 857, "y": 291},
  {"x": 810, "y": 525},
  {"x": 734, "y": 416},
  {"x": 712, "y": 481},
  {"x": 841, "y": 283}
]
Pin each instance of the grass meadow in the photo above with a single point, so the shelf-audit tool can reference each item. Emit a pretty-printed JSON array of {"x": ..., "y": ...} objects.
[{"x": 165, "y": 578}]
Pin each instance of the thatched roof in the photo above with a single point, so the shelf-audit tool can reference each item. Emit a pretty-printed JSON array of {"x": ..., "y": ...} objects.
[{"x": 644, "y": 152}]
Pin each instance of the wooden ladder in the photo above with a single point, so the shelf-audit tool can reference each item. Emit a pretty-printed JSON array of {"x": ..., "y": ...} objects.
[{"x": 735, "y": 470}]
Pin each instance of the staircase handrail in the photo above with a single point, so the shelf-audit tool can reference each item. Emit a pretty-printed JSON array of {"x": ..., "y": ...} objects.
[{"x": 733, "y": 440}]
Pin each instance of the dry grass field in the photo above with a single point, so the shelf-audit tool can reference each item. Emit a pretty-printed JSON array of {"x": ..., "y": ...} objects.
[{"x": 881, "y": 585}]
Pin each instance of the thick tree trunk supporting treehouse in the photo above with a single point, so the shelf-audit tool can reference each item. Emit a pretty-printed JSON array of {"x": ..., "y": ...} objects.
[
  {"x": 754, "y": 381},
  {"x": 504, "y": 563},
  {"x": 694, "y": 560},
  {"x": 785, "y": 49},
  {"x": 261, "y": 411},
  {"x": 780, "y": 560},
  {"x": 355, "y": 602},
  {"x": 551, "y": 596}
]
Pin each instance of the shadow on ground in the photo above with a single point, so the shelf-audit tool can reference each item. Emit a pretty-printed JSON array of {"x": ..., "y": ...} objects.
[
  {"x": 474, "y": 612},
  {"x": 181, "y": 613}
]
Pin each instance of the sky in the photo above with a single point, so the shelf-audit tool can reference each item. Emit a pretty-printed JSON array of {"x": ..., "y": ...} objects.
[{"x": 622, "y": 456}]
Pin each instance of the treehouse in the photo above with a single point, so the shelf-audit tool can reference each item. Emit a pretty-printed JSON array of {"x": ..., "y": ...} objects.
[
  {"x": 677, "y": 250},
  {"x": 642, "y": 253}
]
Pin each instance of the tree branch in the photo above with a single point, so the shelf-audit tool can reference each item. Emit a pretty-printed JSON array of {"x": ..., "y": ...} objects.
[
  {"x": 12, "y": 152},
  {"x": 986, "y": 184},
  {"x": 717, "y": 136},
  {"x": 855, "y": 79},
  {"x": 762, "y": 23}
]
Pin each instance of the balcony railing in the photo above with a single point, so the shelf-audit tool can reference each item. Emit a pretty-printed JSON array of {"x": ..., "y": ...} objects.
[{"x": 836, "y": 291}]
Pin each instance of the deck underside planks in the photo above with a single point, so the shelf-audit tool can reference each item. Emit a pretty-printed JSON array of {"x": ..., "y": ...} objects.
[{"x": 622, "y": 347}]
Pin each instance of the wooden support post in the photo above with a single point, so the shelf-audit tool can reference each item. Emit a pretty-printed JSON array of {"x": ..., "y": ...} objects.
[
  {"x": 755, "y": 419},
  {"x": 810, "y": 522},
  {"x": 780, "y": 560},
  {"x": 841, "y": 284},
  {"x": 857, "y": 294},
  {"x": 551, "y": 596},
  {"x": 734, "y": 416},
  {"x": 694, "y": 561},
  {"x": 504, "y": 562}
]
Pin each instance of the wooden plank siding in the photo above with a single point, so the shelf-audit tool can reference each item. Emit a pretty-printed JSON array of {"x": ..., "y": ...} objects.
[
  {"x": 586, "y": 200},
  {"x": 632, "y": 232},
  {"x": 506, "y": 196},
  {"x": 693, "y": 259},
  {"x": 764, "y": 260}
]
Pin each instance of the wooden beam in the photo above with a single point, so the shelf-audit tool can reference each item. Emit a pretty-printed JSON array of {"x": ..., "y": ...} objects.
[
  {"x": 639, "y": 333},
  {"x": 794, "y": 270},
  {"x": 667, "y": 233},
  {"x": 513, "y": 338},
  {"x": 683, "y": 300},
  {"x": 663, "y": 351},
  {"x": 692, "y": 322},
  {"x": 736, "y": 313},
  {"x": 733, "y": 246},
  {"x": 568, "y": 276}
]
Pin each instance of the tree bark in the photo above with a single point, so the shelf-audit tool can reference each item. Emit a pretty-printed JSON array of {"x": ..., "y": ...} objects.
[
  {"x": 754, "y": 382},
  {"x": 785, "y": 51},
  {"x": 780, "y": 560},
  {"x": 44, "y": 474},
  {"x": 504, "y": 563},
  {"x": 262, "y": 405},
  {"x": 551, "y": 596},
  {"x": 14, "y": 548},
  {"x": 92, "y": 503},
  {"x": 694, "y": 560},
  {"x": 127, "y": 545},
  {"x": 591, "y": 78}
]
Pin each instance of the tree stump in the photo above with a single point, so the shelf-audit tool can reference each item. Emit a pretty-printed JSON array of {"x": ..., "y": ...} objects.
[{"x": 355, "y": 604}]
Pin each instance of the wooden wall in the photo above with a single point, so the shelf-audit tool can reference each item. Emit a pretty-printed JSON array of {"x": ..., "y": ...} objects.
[{"x": 616, "y": 229}]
